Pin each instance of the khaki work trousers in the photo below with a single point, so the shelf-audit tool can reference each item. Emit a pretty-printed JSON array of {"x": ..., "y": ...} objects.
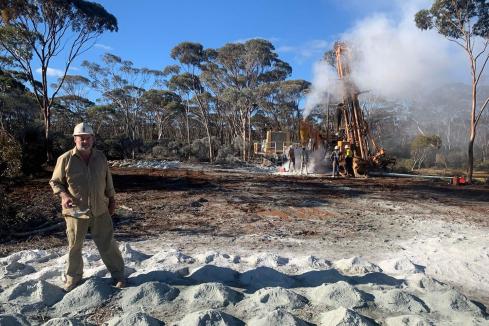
[{"x": 103, "y": 235}]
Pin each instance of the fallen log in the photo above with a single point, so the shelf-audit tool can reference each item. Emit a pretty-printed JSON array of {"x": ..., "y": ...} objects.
[{"x": 38, "y": 231}]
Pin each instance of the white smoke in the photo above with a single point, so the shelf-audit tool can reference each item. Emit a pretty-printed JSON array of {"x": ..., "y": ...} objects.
[
  {"x": 395, "y": 59},
  {"x": 324, "y": 86}
]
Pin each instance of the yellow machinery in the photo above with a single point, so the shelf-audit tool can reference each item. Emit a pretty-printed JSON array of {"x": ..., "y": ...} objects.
[
  {"x": 274, "y": 146},
  {"x": 351, "y": 127}
]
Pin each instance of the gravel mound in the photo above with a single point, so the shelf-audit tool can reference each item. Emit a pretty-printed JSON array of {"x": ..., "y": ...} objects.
[
  {"x": 265, "y": 277},
  {"x": 211, "y": 273},
  {"x": 267, "y": 260},
  {"x": 30, "y": 296},
  {"x": 209, "y": 318},
  {"x": 48, "y": 273},
  {"x": 218, "y": 258},
  {"x": 168, "y": 257},
  {"x": 277, "y": 317},
  {"x": 356, "y": 266},
  {"x": 344, "y": 317},
  {"x": 407, "y": 320},
  {"x": 311, "y": 262},
  {"x": 317, "y": 278},
  {"x": 15, "y": 269},
  {"x": 340, "y": 294},
  {"x": 273, "y": 298},
  {"x": 86, "y": 296},
  {"x": 400, "y": 266},
  {"x": 156, "y": 275},
  {"x": 147, "y": 295},
  {"x": 13, "y": 320},
  {"x": 26, "y": 257},
  {"x": 454, "y": 302},
  {"x": 65, "y": 322},
  {"x": 135, "y": 319},
  {"x": 399, "y": 301},
  {"x": 32, "y": 292},
  {"x": 426, "y": 283},
  {"x": 210, "y": 296}
]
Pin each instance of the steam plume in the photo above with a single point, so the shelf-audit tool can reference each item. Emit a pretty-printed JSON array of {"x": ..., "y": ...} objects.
[{"x": 394, "y": 59}]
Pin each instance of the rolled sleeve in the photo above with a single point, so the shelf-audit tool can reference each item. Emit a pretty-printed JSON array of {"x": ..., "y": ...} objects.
[{"x": 58, "y": 180}]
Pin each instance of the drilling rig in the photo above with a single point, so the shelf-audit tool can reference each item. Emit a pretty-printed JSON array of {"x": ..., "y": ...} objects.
[{"x": 350, "y": 126}]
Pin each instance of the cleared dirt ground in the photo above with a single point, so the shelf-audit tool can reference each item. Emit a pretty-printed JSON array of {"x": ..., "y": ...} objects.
[{"x": 349, "y": 214}]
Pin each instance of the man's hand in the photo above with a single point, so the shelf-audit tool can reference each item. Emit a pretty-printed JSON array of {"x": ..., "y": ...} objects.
[
  {"x": 66, "y": 200},
  {"x": 111, "y": 205}
]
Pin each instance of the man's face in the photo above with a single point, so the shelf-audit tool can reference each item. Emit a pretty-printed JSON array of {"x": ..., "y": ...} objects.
[{"x": 84, "y": 143}]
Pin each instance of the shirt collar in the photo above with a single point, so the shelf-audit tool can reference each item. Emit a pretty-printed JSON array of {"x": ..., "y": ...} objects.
[{"x": 76, "y": 152}]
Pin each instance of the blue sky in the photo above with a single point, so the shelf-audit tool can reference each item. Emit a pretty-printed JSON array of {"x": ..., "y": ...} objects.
[
  {"x": 397, "y": 61},
  {"x": 301, "y": 31}
]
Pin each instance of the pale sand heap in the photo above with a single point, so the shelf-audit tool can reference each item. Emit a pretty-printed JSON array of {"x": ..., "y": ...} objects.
[{"x": 214, "y": 287}]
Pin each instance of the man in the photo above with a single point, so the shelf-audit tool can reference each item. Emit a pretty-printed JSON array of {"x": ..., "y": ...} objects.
[
  {"x": 304, "y": 159},
  {"x": 335, "y": 159},
  {"x": 83, "y": 181},
  {"x": 349, "y": 161},
  {"x": 291, "y": 157}
]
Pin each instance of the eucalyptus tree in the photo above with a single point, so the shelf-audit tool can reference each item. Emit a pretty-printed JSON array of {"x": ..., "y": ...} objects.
[
  {"x": 70, "y": 105},
  {"x": 123, "y": 86},
  {"x": 236, "y": 72},
  {"x": 280, "y": 101},
  {"x": 466, "y": 23},
  {"x": 161, "y": 107},
  {"x": 104, "y": 119},
  {"x": 17, "y": 104},
  {"x": 191, "y": 57},
  {"x": 34, "y": 32}
]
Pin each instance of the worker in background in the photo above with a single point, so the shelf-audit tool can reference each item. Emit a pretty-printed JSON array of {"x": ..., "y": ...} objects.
[
  {"x": 304, "y": 159},
  {"x": 83, "y": 181},
  {"x": 335, "y": 161},
  {"x": 291, "y": 157},
  {"x": 310, "y": 145},
  {"x": 349, "y": 161}
]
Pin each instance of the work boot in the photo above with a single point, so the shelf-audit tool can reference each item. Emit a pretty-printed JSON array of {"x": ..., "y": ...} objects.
[
  {"x": 120, "y": 284},
  {"x": 71, "y": 284}
]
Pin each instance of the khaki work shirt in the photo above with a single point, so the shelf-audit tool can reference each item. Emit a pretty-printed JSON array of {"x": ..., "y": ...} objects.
[{"x": 90, "y": 184}]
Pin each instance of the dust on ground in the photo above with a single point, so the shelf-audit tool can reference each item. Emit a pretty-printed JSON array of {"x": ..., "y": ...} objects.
[{"x": 225, "y": 204}]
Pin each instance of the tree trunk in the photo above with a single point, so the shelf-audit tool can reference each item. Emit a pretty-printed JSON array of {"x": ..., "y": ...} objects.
[
  {"x": 47, "y": 129},
  {"x": 209, "y": 139},
  {"x": 250, "y": 151},
  {"x": 470, "y": 168},
  {"x": 470, "y": 157},
  {"x": 243, "y": 118},
  {"x": 187, "y": 123}
]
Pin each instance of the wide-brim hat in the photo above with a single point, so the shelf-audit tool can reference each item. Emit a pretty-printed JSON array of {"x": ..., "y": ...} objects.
[{"x": 82, "y": 129}]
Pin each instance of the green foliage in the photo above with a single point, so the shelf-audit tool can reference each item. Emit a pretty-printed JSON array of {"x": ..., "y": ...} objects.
[
  {"x": 403, "y": 165},
  {"x": 200, "y": 150},
  {"x": 424, "y": 147},
  {"x": 33, "y": 150},
  {"x": 160, "y": 152},
  {"x": 10, "y": 156},
  {"x": 61, "y": 143},
  {"x": 188, "y": 53},
  {"x": 113, "y": 147},
  {"x": 33, "y": 32},
  {"x": 422, "y": 142},
  {"x": 226, "y": 154},
  {"x": 451, "y": 17}
]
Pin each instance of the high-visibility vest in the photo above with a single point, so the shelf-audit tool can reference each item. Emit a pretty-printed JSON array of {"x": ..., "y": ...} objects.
[{"x": 348, "y": 153}]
